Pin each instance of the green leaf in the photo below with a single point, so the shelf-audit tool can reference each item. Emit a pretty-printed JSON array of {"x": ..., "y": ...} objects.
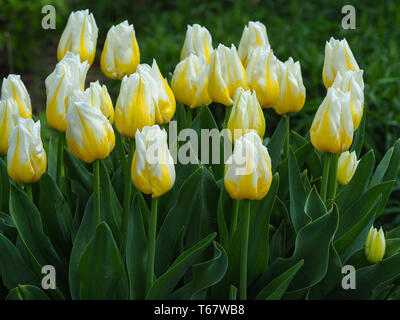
[
  {"x": 314, "y": 206},
  {"x": 275, "y": 144},
  {"x": 359, "y": 137},
  {"x": 7, "y": 226},
  {"x": 4, "y": 186},
  {"x": 225, "y": 207},
  {"x": 100, "y": 267},
  {"x": 77, "y": 171},
  {"x": 232, "y": 292},
  {"x": 27, "y": 292}
]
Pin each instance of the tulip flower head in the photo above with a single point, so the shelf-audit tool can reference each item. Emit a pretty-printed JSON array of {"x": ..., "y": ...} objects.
[
  {"x": 248, "y": 171},
  {"x": 8, "y": 120},
  {"x": 347, "y": 165},
  {"x": 375, "y": 245},
  {"x": 198, "y": 41},
  {"x": 89, "y": 134},
  {"x": 69, "y": 75},
  {"x": 254, "y": 35},
  {"x": 226, "y": 75},
  {"x": 152, "y": 170},
  {"x": 332, "y": 128},
  {"x": 262, "y": 75},
  {"x": 190, "y": 81},
  {"x": 14, "y": 88},
  {"x": 338, "y": 58},
  {"x": 120, "y": 55},
  {"x": 26, "y": 158},
  {"x": 79, "y": 36},
  {"x": 246, "y": 115},
  {"x": 292, "y": 93},
  {"x": 352, "y": 81},
  {"x": 99, "y": 97}
]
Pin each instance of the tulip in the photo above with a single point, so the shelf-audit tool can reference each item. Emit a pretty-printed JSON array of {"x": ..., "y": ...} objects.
[
  {"x": 338, "y": 58},
  {"x": 190, "y": 80},
  {"x": 69, "y": 75},
  {"x": 352, "y": 82},
  {"x": 79, "y": 36},
  {"x": 248, "y": 171},
  {"x": 292, "y": 93},
  {"x": 255, "y": 34},
  {"x": 246, "y": 115},
  {"x": 8, "y": 120},
  {"x": 100, "y": 98},
  {"x": 14, "y": 88},
  {"x": 226, "y": 75},
  {"x": 332, "y": 128},
  {"x": 198, "y": 41},
  {"x": 262, "y": 75},
  {"x": 375, "y": 245},
  {"x": 26, "y": 158},
  {"x": 120, "y": 54},
  {"x": 89, "y": 134},
  {"x": 152, "y": 170},
  {"x": 347, "y": 165}
]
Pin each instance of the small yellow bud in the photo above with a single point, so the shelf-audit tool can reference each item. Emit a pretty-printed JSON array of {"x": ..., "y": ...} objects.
[{"x": 375, "y": 245}]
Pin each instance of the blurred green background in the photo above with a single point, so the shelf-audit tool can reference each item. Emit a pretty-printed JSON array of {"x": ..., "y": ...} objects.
[{"x": 295, "y": 28}]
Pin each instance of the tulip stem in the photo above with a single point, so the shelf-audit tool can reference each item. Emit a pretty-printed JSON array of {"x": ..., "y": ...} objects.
[
  {"x": 152, "y": 243},
  {"x": 331, "y": 193},
  {"x": 96, "y": 187},
  {"x": 244, "y": 251},
  {"x": 28, "y": 189},
  {"x": 287, "y": 141},
  {"x": 234, "y": 219},
  {"x": 60, "y": 147},
  {"x": 189, "y": 117},
  {"x": 325, "y": 175}
]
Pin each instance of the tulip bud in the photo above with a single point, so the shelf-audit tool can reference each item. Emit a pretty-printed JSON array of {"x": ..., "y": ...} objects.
[
  {"x": 79, "y": 36},
  {"x": 292, "y": 93},
  {"x": 26, "y": 158},
  {"x": 190, "y": 81},
  {"x": 69, "y": 75},
  {"x": 262, "y": 74},
  {"x": 198, "y": 41},
  {"x": 347, "y": 165},
  {"x": 226, "y": 75},
  {"x": 248, "y": 171},
  {"x": 89, "y": 134},
  {"x": 153, "y": 170},
  {"x": 120, "y": 54},
  {"x": 353, "y": 82},
  {"x": 246, "y": 115},
  {"x": 255, "y": 34},
  {"x": 14, "y": 88},
  {"x": 375, "y": 245},
  {"x": 8, "y": 120},
  {"x": 338, "y": 58},
  {"x": 100, "y": 98},
  {"x": 332, "y": 128}
]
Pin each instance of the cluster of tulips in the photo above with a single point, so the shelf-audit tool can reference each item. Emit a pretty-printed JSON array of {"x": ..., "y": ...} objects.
[{"x": 249, "y": 79}]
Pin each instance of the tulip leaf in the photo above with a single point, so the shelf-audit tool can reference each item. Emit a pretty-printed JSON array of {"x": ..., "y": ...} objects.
[
  {"x": 394, "y": 233},
  {"x": 27, "y": 292},
  {"x": 4, "y": 186},
  {"x": 359, "y": 137},
  {"x": 77, "y": 171},
  {"x": 314, "y": 206},
  {"x": 100, "y": 267},
  {"x": 275, "y": 144},
  {"x": 225, "y": 207},
  {"x": 7, "y": 226},
  {"x": 52, "y": 157}
]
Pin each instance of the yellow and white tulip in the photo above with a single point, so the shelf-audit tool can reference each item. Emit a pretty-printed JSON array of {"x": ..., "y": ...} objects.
[
  {"x": 226, "y": 75},
  {"x": 375, "y": 245},
  {"x": 254, "y": 35},
  {"x": 248, "y": 172},
  {"x": 347, "y": 165},
  {"x": 26, "y": 158},
  {"x": 100, "y": 98},
  {"x": 198, "y": 41},
  {"x": 120, "y": 55},
  {"x": 79, "y": 36},
  {"x": 152, "y": 170},
  {"x": 8, "y": 120},
  {"x": 14, "y": 88}
]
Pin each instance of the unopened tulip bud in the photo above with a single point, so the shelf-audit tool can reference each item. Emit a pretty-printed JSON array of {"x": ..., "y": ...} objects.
[
  {"x": 198, "y": 41},
  {"x": 226, "y": 75},
  {"x": 347, "y": 165},
  {"x": 14, "y": 88},
  {"x": 152, "y": 170},
  {"x": 248, "y": 172},
  {"x": 338, "y": 58},
  {"x": 254, "y": 35},
  {"x": 332, "y": 128},
  {"x": 79, "y": 36},
  {"x": 89, "y": 134},
  {"x": 120, "y": 54},
  {"x": 26, "y": 158},
  {"x": 8, "y": 120},
  {"x": 190, "y": 82},
  {"x": 375, "y": 245}
]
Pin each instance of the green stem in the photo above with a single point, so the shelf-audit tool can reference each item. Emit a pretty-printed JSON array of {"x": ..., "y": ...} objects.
[
  {"x": 60, "y": 147},
  {"x": 233, "y": 226},
  {"x": 121, "y": 152},
  {"x": 96, "y": 188},
  {"x": 244, "y": 251},
  {"x": 152, "y": 243},
  {"x": 331, "y": 194},
  {"x": 325, "y": 175},
  {"x": 189, "y": 117},
  {"x": 287, "y": 138},
  {"x": 28, "y": 189}
]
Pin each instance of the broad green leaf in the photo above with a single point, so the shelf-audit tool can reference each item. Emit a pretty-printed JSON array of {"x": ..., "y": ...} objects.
[
  {"x": 394, "y": 233},
  {"x": 77, "y": 171},
  {"x": 4, "y": 186},
  {"x": 314, "y": 206},
  {"x": 359, "y": 137},
  {"x": 225, "y": 208},
  {"x": 27, "y": 292},
  {"x": 275, "y": 144},
  {"x": 7, "y": 226}
]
